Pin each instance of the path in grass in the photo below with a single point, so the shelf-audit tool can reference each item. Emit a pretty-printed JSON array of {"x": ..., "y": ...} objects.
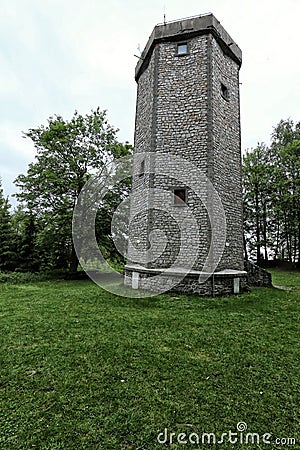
[{"x": 83, "y": 369}]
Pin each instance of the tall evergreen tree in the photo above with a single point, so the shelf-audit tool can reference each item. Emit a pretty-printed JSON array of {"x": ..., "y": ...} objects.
[
  {"x": 26, "y": 230},
  {"x": 7, "y": 237}
]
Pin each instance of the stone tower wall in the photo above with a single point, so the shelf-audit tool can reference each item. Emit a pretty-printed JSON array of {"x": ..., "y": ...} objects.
[
  {"x": 144, "y": 135},
  {"x": 225, "y": 153},
  {"x": 182, "y": 111},
  {"x": 181, "y": 130}
]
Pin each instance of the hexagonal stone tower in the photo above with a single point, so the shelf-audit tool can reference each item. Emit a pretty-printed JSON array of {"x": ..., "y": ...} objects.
[{"x": 186, "y": 229}]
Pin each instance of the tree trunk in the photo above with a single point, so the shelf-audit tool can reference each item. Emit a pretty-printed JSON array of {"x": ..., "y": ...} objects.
[
  {"x": 265, "y": 231},
  {"x": 298, "y": 262},
  {"x": 287, "y": 236},
  {"x": 277, "y": 237},
  {"x": 257, "y": 217},
  {"x": 245, "y": 248}
]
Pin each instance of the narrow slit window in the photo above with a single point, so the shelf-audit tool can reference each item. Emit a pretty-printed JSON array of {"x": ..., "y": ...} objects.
[
  {"x": 224, "y": 91},
  {"x": 180, "y": 197},
  {"x": 142, "y": 168},
  {"x": 182, "y": 49}
]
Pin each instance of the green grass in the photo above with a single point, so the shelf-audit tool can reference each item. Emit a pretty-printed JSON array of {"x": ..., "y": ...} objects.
[
  {"x": 84, "y": 369},
  {"x": 289, "y": 278}
]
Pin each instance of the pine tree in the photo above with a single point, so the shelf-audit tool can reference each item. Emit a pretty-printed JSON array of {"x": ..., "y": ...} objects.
[{"x": 7, "y": 237}]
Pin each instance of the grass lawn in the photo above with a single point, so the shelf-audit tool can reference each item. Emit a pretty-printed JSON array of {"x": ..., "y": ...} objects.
[{"x": 84, "y": 369}]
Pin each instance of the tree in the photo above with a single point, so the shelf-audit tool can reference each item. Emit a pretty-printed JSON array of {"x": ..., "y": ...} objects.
[
  {"x": 7, "y": 237},
  {"x": 68, "y": 152},
  {"x": 271, "y": 178},
  {"x": 285, "y": 157},
  {"x": 26, "y": 230},
  {"x": 257, "y": 190}
]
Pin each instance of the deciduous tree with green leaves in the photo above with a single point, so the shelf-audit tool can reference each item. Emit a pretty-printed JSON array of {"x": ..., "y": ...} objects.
[
  {"x": 257, "y": 198},
  {"x": 285, "y": 157},
  {"x": 271, "y": 179},
  {"x": 68, "y": 152}
]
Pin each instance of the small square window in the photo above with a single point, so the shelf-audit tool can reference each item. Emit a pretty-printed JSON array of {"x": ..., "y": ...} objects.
[
  {"x": 180, "y": 196},
  {"x": 182, "y": 49},
  {"x": 224, "y": 92}
]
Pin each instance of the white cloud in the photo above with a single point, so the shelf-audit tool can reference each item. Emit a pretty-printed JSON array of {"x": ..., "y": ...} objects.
[
  {"x": 57, "y": 56},
  {"x": 11, "y": 139},
  {"x": 15, "y": 154}
]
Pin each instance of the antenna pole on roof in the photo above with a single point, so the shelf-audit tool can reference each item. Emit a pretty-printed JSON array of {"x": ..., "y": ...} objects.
[{"x": 164, "y": 14}]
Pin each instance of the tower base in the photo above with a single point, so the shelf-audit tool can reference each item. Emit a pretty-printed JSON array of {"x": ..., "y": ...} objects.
[{"x": 225, "y": 282}]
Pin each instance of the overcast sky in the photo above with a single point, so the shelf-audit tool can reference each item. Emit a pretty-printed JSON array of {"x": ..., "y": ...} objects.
[{"x": 60, "y": 55}]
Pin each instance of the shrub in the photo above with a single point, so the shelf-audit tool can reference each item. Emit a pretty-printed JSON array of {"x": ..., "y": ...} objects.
[{"x": 28, "y": 277}]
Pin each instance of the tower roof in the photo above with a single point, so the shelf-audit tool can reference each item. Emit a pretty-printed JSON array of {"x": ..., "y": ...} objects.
[{"x": 187, "y": 28}]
